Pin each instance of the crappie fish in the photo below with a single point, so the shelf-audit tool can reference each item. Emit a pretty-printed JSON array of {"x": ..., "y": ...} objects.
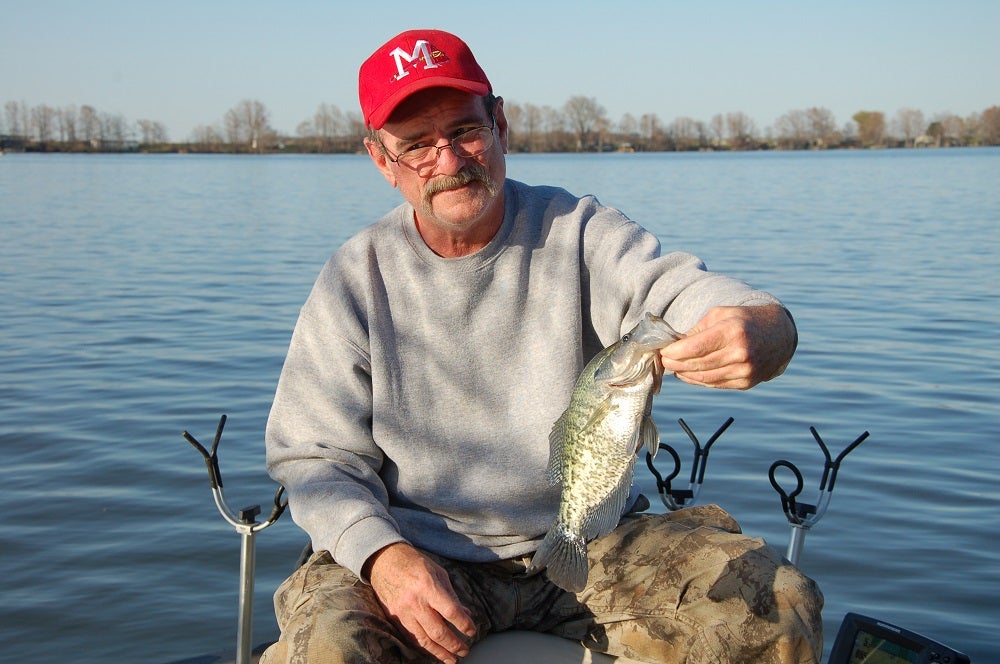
[{"x": 593, "y": 448}]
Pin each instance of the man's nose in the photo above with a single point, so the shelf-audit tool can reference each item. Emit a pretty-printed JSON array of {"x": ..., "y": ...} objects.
[{"x": 448, "y": 161}]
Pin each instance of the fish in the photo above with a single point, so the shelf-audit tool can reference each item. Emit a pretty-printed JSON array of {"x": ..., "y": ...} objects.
[{"x": 593, "y": 447}]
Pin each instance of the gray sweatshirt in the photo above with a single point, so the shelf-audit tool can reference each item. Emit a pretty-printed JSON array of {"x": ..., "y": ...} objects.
[{"x": 418, "y": 392}]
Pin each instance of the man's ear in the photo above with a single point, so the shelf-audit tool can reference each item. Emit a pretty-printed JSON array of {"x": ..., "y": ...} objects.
[
  {"x": 381, "y": 161},
  {"x": 501, "y": 123}
]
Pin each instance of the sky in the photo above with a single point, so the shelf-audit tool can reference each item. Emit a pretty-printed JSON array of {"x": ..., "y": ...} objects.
[{"x": 185, "y": 63}]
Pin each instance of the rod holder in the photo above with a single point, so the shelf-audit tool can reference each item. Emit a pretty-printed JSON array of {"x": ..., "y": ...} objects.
[{"x": 246, "y": 524}]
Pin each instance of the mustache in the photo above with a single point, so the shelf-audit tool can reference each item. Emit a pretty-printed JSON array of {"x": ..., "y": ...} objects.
[{"x": 469, "y": 173}]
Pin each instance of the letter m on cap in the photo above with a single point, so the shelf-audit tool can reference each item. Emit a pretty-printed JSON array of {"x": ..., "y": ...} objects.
[{"x": 422, "y": 50}]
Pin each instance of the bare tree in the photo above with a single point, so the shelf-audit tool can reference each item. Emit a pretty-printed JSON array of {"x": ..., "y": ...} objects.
[
  {"x": 43, "y": 122},
  {"x": 822, "y": 126},
  {"x": 948, "y": 129},
  {"x": 207, "y": 137},
  {"x": 989, "y": 125},
  {"x": 305, "y": 129},
  {"x": 356, "y": 129},
  {"x": 90, "y": 124},
  {"x": 559, "y": 134},
  {"x": 18, "y": 119},
  {"x": 534, "y": 127},
  {"x": 741, "y": 129},
  {"x": 67, "y": 119},
  {"x": 236, "y": 133},
  {"x": 603, "y": 126},
  {"x": 585, "y": 116},
  {"x": 248, "y": 123},
  {"x": 910, "y": 124},
  {"x": 650, "y": 130},
  {"x": 687, "y": 133},
  {"x": 628, "y": 127},
  {"x": 792, "y": 130},
  {"x": 972, "y": 129},
  {"x": 524, "y": 122},
  {"x": 114, "y": 131},
  {"x": 718, "y": 129},
  {"x": 328, "y": 123},
  {"x": 514, "y": 113},
  {"x": 152, "y": 132}
]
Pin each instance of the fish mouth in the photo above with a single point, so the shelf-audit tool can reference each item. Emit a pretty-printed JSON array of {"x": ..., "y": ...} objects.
[
  {"x": 654, "y": 333},
  {"x": 638, "y": 371}
]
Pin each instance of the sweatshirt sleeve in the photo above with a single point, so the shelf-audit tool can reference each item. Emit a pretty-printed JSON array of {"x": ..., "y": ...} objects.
[
  {"x": 319, "y": 433},
  {"x": 629, "y": 276}
]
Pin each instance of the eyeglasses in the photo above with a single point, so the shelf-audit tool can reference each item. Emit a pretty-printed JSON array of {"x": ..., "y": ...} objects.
[{"x": 471, "y": 143}]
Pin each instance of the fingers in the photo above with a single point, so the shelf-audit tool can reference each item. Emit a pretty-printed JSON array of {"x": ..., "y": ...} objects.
[
  {"x": 428, "y": 624},
  {"x": 437, "y": 638},
  {"x": 734, "y": 347},
  {"x": 417, "y": 595},
  {"x": 705, "y": 355},
  {"x": 447, "y": 626},
  {"x": 717, "y": 370}
]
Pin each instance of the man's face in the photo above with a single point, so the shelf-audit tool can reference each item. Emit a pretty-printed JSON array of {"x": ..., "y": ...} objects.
[{"x": 456, "y": 195}]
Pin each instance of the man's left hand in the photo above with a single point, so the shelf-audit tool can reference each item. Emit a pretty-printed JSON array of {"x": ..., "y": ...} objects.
[{"x": 733, "y": 347}]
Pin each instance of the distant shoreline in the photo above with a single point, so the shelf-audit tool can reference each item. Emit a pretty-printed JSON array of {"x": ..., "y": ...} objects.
[{"x": 13, "y": 147}]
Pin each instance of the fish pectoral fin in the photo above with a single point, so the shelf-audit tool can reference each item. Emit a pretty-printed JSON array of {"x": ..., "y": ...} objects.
[
  {"x": 649, "y": 436},
  {"x": 646, "y": 435},
  {"x": 601, "y": 412}
]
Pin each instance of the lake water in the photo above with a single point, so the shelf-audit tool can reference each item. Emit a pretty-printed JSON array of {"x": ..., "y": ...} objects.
[{"x": 145, "y": 295}]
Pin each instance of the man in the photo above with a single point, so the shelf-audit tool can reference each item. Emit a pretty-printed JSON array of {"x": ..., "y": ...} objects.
[{"x": 432, "y": 357}]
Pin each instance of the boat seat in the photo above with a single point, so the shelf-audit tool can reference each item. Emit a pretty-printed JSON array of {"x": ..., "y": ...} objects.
[{"x": 515, "y": 647}]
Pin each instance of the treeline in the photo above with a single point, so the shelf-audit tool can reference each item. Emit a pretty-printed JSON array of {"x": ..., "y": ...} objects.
[{"x": 580, "y": 125}]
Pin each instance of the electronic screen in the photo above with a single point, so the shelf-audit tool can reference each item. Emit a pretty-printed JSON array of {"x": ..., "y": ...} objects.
[
  {"x": 871, "y": 649},
  {"x": 864, "y": 640}
]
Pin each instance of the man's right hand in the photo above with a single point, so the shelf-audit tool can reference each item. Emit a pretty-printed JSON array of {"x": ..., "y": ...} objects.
[{"x": 417, "y": 595}]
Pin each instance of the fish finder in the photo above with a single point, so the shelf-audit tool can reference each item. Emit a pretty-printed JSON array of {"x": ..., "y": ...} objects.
[{"x": 864, "y": 640}]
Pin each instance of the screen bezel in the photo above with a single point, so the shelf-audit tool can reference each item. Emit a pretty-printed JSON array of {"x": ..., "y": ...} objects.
[{"x": 855, "y": 623}]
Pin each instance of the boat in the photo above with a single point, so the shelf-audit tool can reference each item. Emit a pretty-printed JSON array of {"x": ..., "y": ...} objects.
[{"x": 861, "y": 639}]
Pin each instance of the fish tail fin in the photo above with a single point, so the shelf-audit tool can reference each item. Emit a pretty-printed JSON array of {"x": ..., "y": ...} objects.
[{"x": 564, "y": 555}]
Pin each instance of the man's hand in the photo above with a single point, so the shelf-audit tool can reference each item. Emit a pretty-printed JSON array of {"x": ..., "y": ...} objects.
[
  {"x": 733, "y": 347},
  {"x": 417, "y": 595}
]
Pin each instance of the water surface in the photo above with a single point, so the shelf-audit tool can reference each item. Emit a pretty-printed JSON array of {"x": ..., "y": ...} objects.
[{"x": 145, "y": 295}]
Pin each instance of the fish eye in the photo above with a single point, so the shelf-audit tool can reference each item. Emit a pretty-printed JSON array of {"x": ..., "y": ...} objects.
[{"x": 626, "y": 338}]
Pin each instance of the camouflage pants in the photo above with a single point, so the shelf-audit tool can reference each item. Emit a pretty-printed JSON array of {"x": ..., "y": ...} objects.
[{"x": 679, "y": 587}]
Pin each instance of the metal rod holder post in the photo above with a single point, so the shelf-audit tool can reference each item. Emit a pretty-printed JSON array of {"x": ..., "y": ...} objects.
[
  {"x": 247, "y": 526},
  {"x": 796, "y": 542},
  {"x": 803, "y": 516},
  {"x": 675, "y": 499},
  {"x": 248, "y": 561}
]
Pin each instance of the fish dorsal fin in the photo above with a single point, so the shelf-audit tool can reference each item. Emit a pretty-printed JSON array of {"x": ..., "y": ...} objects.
[{"x": 607, "y": 515}]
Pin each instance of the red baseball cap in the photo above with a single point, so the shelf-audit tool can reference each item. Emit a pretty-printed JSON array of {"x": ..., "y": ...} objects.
[{"x": 415, "y": 60}]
